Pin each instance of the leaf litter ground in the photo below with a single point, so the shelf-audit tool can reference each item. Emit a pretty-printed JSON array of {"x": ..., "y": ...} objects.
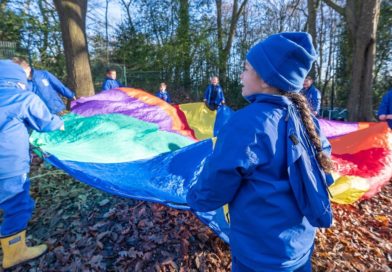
[{"x": 89, "y": 230}]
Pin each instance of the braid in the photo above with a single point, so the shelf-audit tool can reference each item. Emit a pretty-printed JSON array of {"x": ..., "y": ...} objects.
[{"x": 300, "y": 101}]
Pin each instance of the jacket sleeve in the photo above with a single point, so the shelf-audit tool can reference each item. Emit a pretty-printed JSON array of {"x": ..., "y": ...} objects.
[
  {"x": 206, "y": 92},
  {"x": 107, "y": 85},
  {"x": 221, "y": 95},
  {"x": 383, "y": 108},
  {"x": 38, "y": 117},
  {"x": 317, "y": 100},
  {"x": 238, "y": 151},
  {"x": 59, "y": 86}
]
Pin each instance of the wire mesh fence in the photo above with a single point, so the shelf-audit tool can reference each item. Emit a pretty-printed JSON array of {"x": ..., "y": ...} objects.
[{"x": 7, "y": 49}]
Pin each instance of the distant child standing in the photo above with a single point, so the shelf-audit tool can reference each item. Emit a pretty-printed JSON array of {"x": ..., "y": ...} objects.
[
  {"x": 312, "y": 94},
  {"x": 213, "y": 95},
  {"x": 270, "y": 163},
  {"x": 163, "y": 94},
  {"x": 19, "y": 110},
  {"x": 385, "y": 109},
  {"x": 110, "y": 81}
]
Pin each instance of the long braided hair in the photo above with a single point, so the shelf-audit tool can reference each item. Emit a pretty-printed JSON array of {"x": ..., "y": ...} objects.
[{"x": 300, "y": 101}]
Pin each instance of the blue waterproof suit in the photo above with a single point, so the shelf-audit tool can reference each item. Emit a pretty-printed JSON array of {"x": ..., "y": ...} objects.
[
  {"x": 213, "y": 95},
  {"x": 165, "y": 96},
  {"x": 48, "y": 88},
  {"x": 20, "y": 110},
  {"x": 313, "y": 96},
  {"x": 109, "y": 84},
  {"x": 264, "y": 167},
  {"x": 386, "y": 106}
]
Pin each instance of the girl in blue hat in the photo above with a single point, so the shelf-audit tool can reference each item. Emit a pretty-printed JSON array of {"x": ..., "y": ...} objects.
[{"x": 271, "y": 163}]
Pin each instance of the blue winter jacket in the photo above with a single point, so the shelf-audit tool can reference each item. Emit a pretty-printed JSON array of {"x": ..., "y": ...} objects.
[
  {"x": 48, "y": 88},
  {"x": 219, "y": 97},
  {"x": 313, "y": 96},
  {"x": 264, "y": 166},
  {"x": 165, "y": 96},
  {"x": 386, "y": 106},
  {"x": 109, "y": 84},
  {"x": 19, "y": 111}
]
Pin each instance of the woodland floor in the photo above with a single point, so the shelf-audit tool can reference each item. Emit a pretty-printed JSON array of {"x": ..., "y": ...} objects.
[{"x": 89, "y": 230}]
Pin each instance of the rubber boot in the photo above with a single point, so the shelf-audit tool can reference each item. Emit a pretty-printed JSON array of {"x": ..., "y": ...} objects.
[{"x": 16, "y": 252}]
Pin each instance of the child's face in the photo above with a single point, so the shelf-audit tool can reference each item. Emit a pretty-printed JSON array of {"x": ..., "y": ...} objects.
[
  {"x": 214, "y": 81},
  {"x": 112, "y": 74},
  {"x": 308, "y": 82},
  {"x": 27, "y": 71},
  {"x": 251, "y": 82},
  {"x": 162, "y": 87}
]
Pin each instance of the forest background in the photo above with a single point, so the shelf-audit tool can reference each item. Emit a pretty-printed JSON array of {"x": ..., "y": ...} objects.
[{"x": 185, "y": 42}]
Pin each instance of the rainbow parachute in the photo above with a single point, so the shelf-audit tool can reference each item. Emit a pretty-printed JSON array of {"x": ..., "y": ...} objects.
[{"x": 130, "y": 143}]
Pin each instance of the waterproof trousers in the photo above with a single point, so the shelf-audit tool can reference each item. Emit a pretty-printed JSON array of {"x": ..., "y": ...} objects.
[{"x": 16, "y": 204}]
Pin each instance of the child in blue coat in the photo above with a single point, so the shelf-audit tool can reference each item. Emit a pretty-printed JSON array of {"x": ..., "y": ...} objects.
[
  {"x": 385, "y": 109},
  {"x": 213, "y": 94},
  {"x": 110, "y": 81},
  {"x": 20, "y": 110},
  {"x": 271, "y": 163},
  {"x": 312, "y": 94},
  {"x": 163, "y": 94},
  {"x": 46, "y": 86}
]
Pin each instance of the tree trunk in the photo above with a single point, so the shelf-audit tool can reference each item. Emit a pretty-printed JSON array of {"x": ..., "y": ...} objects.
[
  {"x": 184, "y": 43},
  {"x": 311, "y": 28},
  {"x": 45, "y": 43},
  {"x": 107, "y": 31},
  {"x": 221, "y": 60},
  {"x": 363, "y": 34},
  {"x": 312, "y": 18},
  {"x": 362, "y": 19},
  {"x": 224, "y": 49},
  {"x": 72, "y": 14}
]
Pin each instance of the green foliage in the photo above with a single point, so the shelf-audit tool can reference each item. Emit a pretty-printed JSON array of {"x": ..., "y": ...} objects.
[
  {"x": 382, "y": 72},
  {"x": 343, "y": 71},
  {"x": 34, "y": 27},
  {"x": 10, "y": 25},
  {"x": 175, "y": 41}
]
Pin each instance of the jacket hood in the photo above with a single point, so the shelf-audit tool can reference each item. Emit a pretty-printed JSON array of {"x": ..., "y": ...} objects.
[{"x": 12, "y": 73}]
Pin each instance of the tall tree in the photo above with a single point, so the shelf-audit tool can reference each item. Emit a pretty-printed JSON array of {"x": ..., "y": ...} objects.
[
  {"x": 72, "y": 14},
  {"x": 361, "y": 17},
  {"x": 128, "y": 6},
  {"x": 107, "y": 30},
  {"x": 183, "y": 40},
  {"x": 311, "y": 26},
  {"x": 312, "y": 19},
  {"x": 225, "y": 42}
]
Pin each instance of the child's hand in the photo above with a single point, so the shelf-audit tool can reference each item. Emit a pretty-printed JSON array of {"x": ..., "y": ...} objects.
[
  {"x": 382, "y": 117},
  {"x": 389, "y": 116},
  {"x": 62, "y": 127}
]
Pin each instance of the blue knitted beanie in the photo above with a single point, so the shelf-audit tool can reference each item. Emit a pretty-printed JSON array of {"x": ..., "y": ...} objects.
[
  {"x": 13, "y": 72},
  {"x": 283, "y": 60}
]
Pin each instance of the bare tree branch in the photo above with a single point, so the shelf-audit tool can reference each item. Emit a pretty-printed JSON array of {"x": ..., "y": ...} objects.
[{"x": 335, "y": 6}]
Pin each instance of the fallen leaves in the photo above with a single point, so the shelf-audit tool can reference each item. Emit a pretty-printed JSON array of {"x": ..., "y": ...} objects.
[
  {"x": 89, "y": 230},
  {"x": 360, "y": 239}
]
